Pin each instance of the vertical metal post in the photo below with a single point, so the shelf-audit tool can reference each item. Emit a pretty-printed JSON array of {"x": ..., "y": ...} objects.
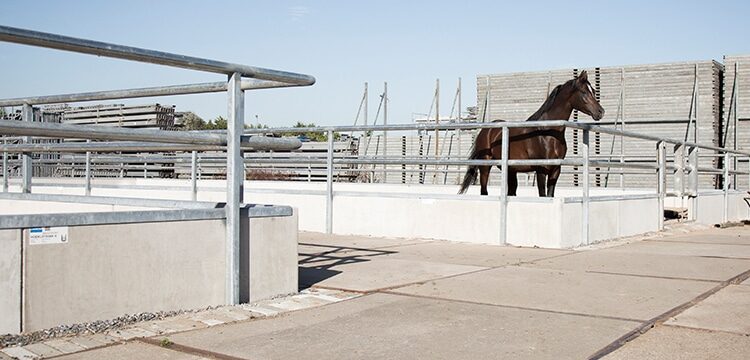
[
  {"x": 661, "y": 156},
  {"x": 88, "y": 171},
  {"x": 26, "y": 168},
  {"x": 693, "y": 179},
  {"x": 458, "y": 131},
  {"x": 6, "y": 172},
  {"x": 437, "y": 117},
  {"x": 385, "y": 132},
  {"x": 622, "y": 127},
  {"x": 679, "y": 174},
  {"x": 235, "y": 186},
  {"x": 504, "y": 187},
  {"x": 329, "y": 183},
  {"x": 585, "y": 189},
  {"x": 725, "y": 208},
  {"x": 194, "y": 175}
]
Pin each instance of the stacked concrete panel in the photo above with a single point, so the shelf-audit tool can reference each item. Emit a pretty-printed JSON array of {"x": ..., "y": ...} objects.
[{"x": 735, "y": 132}]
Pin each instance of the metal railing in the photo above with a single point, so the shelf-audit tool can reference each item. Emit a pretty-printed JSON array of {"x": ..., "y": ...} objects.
[
  {"x": 232, "y": 140},
  {"x": 684, "y": 163}
]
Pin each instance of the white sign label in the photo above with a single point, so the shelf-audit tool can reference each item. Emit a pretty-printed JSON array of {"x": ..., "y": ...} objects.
[{"x": 48, "y": 235}]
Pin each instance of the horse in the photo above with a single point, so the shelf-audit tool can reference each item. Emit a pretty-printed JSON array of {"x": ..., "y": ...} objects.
[{"x": 535, "y": 142}]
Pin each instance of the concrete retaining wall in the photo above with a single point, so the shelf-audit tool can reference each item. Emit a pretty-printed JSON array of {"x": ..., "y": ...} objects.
[{"x": 105, "y": 271}]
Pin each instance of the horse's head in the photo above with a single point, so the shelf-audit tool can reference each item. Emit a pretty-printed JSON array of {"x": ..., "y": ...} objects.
[{"x": 583, "y": 98}]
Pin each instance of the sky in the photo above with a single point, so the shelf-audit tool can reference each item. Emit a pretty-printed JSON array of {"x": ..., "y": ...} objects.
[{"x": 408, "y": 44}]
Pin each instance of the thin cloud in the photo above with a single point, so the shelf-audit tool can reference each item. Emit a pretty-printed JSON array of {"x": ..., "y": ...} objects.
[{"x": 297, "y": 13}]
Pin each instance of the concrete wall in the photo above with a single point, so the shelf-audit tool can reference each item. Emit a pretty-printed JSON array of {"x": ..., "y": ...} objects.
[
  {"x": 105, "y": 271},
  {"x": 10, "y": 281}
]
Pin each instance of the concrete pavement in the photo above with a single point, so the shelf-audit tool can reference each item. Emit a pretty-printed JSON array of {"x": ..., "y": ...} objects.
[{"x": 683, "y": 296}]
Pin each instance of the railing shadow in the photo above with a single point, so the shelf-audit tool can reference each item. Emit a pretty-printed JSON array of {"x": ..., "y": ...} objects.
[{"x": 315, "y": 267}]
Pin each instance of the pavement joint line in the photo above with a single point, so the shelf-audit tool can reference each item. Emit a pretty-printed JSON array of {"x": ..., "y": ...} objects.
[
  {"x": 185, "y": 349},
  {"x": 351, "y": 249},
  {"x": 652, "y": 276},
  {"x": 704, "y": 329},
  {"x": 723, "y": 257},
  {"x": 547, "y": 311},
  {"x": 695, "y": 242},
  {"x": 660, "y": 319}
]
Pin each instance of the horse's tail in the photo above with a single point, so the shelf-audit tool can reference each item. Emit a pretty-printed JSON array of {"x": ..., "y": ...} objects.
[{"x": 471, "y": 173}]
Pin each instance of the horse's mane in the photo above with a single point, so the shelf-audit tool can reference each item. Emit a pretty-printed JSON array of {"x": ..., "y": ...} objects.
[{"x": 547, "y": 103}]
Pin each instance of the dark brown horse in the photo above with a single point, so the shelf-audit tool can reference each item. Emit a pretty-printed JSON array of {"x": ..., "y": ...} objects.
[{"x": 535, "y": 142}]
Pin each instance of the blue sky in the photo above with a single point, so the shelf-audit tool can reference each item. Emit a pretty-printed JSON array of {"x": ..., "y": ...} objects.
[{"x": 409, "y": 44}]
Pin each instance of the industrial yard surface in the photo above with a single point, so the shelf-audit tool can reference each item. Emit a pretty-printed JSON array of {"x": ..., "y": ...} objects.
[{"x": 677, "y": 295}]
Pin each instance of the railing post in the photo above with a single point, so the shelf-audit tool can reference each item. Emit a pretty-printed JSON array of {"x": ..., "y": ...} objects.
[
  {"x": 693, "y": 179},
  {"x": 88, "y": 171},
  {"x": 585, "y": 190},
  {"x": 6, "y": 172},
  {"x": 504, "y": 187},
  {"x": 235, "y": 186},
  {"x": 725, "y": 208},
  {"x": 26, "y": 168},
  {"x": 194, "y": 175},
  {"x": 329, "y": 183},
  {"x": 661, "y": 157},
  {"x": 679, "y": 174}
]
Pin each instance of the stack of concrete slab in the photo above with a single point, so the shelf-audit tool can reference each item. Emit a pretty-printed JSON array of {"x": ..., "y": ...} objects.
[
  {"x": 141, "y": 116},
  {"x": 735, "y": 132}
]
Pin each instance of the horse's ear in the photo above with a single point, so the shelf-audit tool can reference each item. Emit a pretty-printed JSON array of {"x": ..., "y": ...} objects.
[{"x": 584, "y": 77}]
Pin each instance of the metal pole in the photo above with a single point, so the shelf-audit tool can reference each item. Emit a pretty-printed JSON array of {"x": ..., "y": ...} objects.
[
  {"x": 504, "y": 188},
  {"x": 661, "y": 156},
  {"x": 458, "y": 131},
  {"x": 437, "y": 117},
  {"x": 194, "y": 175},
  {"x": 6, "y": 172},
  {"x": 235, "y": 186},
  {"x": 585, "y": 190},
  {"x": 88, "y": 171},
  {"x": 329, "y": 184},
  {"x": 725, "y": 209},
  {"x": 693, "y": 178},
  {"x": 26, "y": 168},
  {"x": 385, "y": 132},
  {"x": 622, "y": 126}
]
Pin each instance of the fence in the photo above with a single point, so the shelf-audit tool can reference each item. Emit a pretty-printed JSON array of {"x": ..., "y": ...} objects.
[{"x": 232, "y": 141}]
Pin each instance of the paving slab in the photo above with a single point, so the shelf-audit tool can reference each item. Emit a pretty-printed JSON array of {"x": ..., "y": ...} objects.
[
  {"x": 472, "y": 254},
  {"x": 42, "y": 350},
  {"x": 370, "y": 275},
  {"x": 385, "y": 326},
  {"x": 320, "y": 242},
  {"x": 646, "y": 264},
  {"x": 746, "y": 282},
  {"x": 567, "y": 291},
  {"x": 686, "y": 249},
  {"x": 726, "y": 310},
  {"x": 131, "y": 350},
  {"x": 731, "y": 236},
  {"x": 672, "y": 343}
]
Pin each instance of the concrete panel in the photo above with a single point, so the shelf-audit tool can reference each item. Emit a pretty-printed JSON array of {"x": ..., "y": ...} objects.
[
  {"x": 471, "y": 254},
  {"x": 316, "y": 242},
  {"x": 728, "y": 236},
  {"x": 132, "y": 350},
  {"x": 372, "y": 270},
  {"x": 727, "y": 310},
  {"x": 533, "y": 223},
  {"x": 638, "y": 217},
  {"x": 381, "y": 326},
  {"x": 10, "y": 281},
  {"x": 604, "y": 220},
  {"x": 618, "y": 262},
  {"x": 686, "y": 249},
  {"x": 109, "y": 270},
  {"x": 671, "y": 343},
  {"x": 566, "y": 291},
  {"x": 272, "y": 257}
]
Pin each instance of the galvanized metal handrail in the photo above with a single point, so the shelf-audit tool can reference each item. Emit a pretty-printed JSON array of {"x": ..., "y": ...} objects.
[{"x": 67, "y": 43}]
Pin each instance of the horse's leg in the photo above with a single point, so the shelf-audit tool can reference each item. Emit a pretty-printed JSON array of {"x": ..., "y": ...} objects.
[
  {"x": 512, "y": 183},
  {"x": 552, "y": 181},
  {"x": 484, "y": 178},
  {"x": 541, "y": 183}
]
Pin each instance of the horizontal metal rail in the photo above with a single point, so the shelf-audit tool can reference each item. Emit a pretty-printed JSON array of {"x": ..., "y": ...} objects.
[
  {"x": 117, "y": 217},
  {"x": 249, "y": 143},
  {"x": 247, "y": 84},
  {"x": 67, "y": 43},
  {"x": 113, "y": 133},
  {"x": 109, "y": 200}
]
